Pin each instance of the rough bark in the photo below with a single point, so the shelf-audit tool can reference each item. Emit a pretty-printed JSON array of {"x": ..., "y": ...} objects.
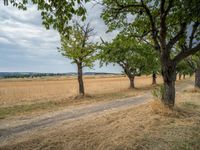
[
  {"x": 132, "y": 81},
  {"x": 197, "y": 78},
  {"x": 80, "y": 79},
  {"x": 154, "y": 78},
  {"x": 169, "y": 77},
  {"x": 130, "y": 75}
]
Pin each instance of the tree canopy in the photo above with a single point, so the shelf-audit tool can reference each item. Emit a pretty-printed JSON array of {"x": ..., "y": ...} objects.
[
  {"x": 77, "y": 46},
  {"x": 136, "y": 58},
  {"x": 161, "y": 22}
]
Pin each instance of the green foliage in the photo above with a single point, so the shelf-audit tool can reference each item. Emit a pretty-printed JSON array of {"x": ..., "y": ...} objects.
[
  {"x": 142, "y": 19},
  {"x": 132, "y": 55},
  {"x": 120, "y": 14},
  {"x": 184, "y": 68},
  {"x": 55, "y": 13},
  {"x": 194, "y": 61},
  {"x": 77, "y": 46},
  {"x": 158, "y": 92},
  {"x": 188, "y": 65}
]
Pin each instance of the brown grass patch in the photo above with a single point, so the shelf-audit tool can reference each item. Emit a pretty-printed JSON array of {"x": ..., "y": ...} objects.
[
  {"x": 36, "y": 108},
  {"x": 158, "y": 108},
  {"x": 19, "y": 97},
  {"x": 26, "y": 91},
  {"x": 136, "y": 128},
  {"x": 193, "y": 90}
]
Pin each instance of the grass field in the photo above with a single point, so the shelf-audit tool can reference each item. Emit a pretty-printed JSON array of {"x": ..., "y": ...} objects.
[
  {"x": 19, "y": 96},
  {"x": 146, "y": 127},
  {"x": 12, "y": 91}
]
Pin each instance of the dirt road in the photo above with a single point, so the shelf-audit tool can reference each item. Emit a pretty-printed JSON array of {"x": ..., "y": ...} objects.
[{"x": 7, "y": 131}]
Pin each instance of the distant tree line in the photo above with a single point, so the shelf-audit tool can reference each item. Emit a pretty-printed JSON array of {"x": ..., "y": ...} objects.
[{"x": 29, "y": 75}]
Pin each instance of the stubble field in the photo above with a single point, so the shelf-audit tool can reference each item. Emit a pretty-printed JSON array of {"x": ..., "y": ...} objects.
[
  {"x": 39, "y": 95},
  {"x": 53, "y": 89},
  {"x": 145, "y": 127}
]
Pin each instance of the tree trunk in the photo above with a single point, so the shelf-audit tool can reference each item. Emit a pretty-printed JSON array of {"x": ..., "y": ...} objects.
[
  {"x": 80, "y": 79},
  {"x": 169, "y": 77},
  {"x": 154, "y": 78},
  {"x": 130, "y": 76},
  {"x": 179, "y": 76},
  {"x": 132, "y": 83},
  {"x": 197, "y": 78},
  {"x": 184, "y": 76}
]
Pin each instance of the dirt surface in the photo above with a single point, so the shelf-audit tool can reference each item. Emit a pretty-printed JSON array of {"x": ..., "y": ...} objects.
[
  {"x": 46, "y": 121},
  {"x": 9, "y": 130}
]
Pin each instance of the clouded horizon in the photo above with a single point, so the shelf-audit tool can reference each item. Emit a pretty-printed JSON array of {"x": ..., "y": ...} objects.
[{"x": 26, "y": 46}]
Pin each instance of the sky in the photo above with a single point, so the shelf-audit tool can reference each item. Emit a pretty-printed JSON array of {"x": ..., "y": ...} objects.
[{"x": 26, "y": 46}]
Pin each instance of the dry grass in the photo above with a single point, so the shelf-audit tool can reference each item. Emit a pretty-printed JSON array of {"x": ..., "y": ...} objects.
[
  {"x": 56, "y": 89},
  {"x": 136, "y": 128},
  {"x": 36, "y": 108},
  {"x": 22, "y": 96},
  {"x": 193, "y": 90}
]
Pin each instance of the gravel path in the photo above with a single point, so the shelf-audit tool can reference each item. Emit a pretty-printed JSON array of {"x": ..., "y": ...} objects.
[{"x": 48, "y": 121}]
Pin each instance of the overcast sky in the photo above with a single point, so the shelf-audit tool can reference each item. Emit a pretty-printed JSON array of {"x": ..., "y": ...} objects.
[{"x": 26, "y": 46}]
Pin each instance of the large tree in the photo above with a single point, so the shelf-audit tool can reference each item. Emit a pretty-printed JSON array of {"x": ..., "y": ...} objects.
[
  {"x": 135, "y": 58},
  {"x": 163, "y": 22},
  {"x": 79, "y": 49}
]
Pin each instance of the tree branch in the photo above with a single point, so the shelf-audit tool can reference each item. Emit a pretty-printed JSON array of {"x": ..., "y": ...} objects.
[
  {"x": 153, "y": 26},
  {"x": 186, "y": 53},
  {"x": 169, "y": 7},
  {"x": 177, "y": 36},
  {"x": 194, "y": 29}
]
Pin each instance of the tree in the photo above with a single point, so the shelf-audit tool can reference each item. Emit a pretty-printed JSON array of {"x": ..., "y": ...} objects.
[
  {"x": 135, "y": 58},
  {"x": 77, "y": 47},
  {"x": 197, "y": 70},
  {"x": 55, "y": 13},
  {"x": 183, "y": 69},
  {"x": 163, "y": 22},
  {"x": 187, "y": 43},
  {"x": 194, "y": 63}
]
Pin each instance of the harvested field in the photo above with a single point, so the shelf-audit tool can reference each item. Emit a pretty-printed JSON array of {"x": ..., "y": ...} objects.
[
  {"x": 53, "y": 89},
  {"x": 144, "y": 127}
]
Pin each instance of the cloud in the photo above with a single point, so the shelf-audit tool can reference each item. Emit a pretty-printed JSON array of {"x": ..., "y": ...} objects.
[{"x": 25, "y": 45}]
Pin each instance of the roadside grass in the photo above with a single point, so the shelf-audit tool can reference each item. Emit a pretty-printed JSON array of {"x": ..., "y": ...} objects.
[
  {"x": 21, "y": 109},
  {"x": 135, "y": 128},
  {"x": 40, "y": 107},
  {"x": 180, "y": 128},
  {"x": 193, "y": 90},
  {"x": 44, "y": 106}
]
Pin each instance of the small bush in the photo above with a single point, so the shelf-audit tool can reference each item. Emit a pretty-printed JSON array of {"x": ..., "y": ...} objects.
[{"x": 158, "y": 92}]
